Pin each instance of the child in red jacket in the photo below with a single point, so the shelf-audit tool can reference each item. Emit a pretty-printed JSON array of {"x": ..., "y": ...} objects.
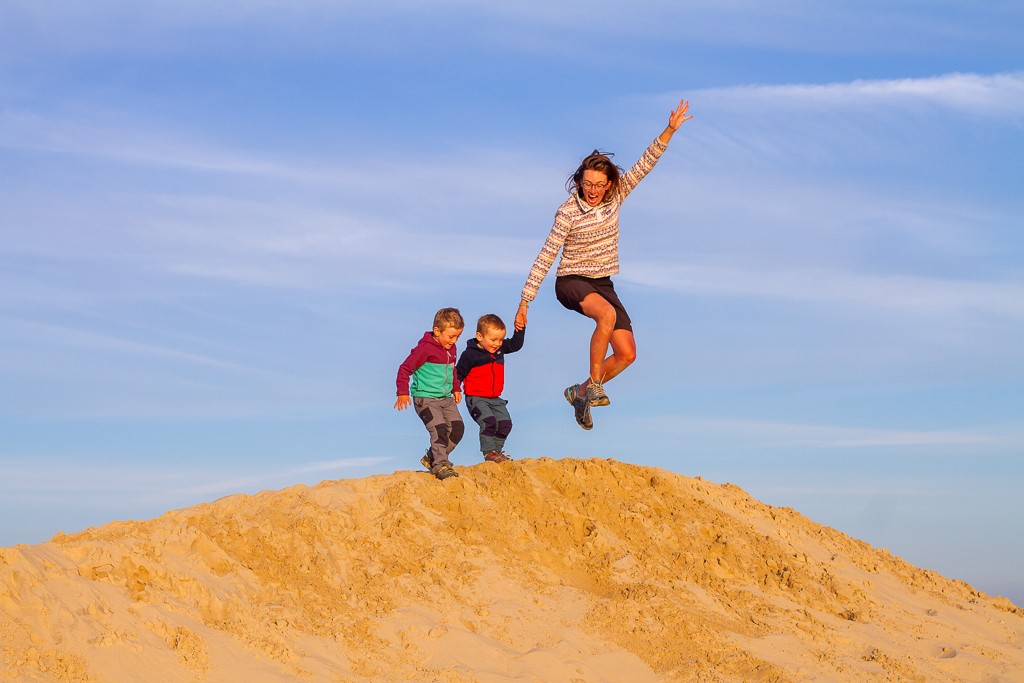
[{"x": 481, "y": 369}]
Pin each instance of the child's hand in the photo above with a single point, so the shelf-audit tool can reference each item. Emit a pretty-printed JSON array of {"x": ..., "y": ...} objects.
[
  {"x": 402, "y": 403},
  {"x": 520, "y": 317},
  {"x": 458, "y": 397}
]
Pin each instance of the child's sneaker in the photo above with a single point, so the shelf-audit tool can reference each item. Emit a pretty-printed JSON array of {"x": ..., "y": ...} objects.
[
  {"x": 446, "y": 472},
  {"x": 577, "y": 397},
  {"x": 595, "y": 392},
  {"x": 497, "y": 456},
  {"x": 427, "y": 461}
]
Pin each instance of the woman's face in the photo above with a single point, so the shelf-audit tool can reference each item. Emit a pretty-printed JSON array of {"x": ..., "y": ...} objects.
[{"x": 594, "y": 185}]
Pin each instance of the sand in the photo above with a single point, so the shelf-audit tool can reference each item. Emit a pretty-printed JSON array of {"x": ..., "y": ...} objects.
[{"x": 533, "y": 570}]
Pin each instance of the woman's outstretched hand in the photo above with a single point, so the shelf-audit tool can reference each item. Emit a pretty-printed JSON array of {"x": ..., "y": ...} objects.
[{"x": 676, "y": 119}]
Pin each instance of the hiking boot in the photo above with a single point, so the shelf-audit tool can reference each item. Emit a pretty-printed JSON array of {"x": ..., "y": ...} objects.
[
  {"x": 595, "y": 392},
  {"x": 577, "y": 398},
  {"x": 497, "y": 456},
  {"x": 446, "y": 472},
  {"x": 427, "y": 461}
]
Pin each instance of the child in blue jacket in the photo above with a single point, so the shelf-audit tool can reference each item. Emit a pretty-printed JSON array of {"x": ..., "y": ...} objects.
[{"x": 481, "y": 369}]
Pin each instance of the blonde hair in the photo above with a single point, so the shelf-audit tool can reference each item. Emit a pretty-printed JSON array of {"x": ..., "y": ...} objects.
[
  {"x": 490, "y": 321},
  {"x": 448, "y": 317}
]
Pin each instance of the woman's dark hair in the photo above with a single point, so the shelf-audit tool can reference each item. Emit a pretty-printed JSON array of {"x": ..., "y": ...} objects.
[{"x": 595, "y": 161}]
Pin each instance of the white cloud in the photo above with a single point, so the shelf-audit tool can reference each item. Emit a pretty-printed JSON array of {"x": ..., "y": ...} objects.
[
  {"x": 149, "y": 483},
  {"x": 797, "y": 435},
  {"x": 252, "y": 217},
  {"x": 94, "y": 343},
  {"x": 998, "y": 95},
  {"x": 264, "y": 26},
  {"x": 212, "y": 485},
  {"x": 115, "y": 136},
  {"x": 887, "y": 128},
  {"x": 914, "y": 295}
]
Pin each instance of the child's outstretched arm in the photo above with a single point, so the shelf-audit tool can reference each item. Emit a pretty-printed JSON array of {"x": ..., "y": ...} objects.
[{"x": 515, "y": 342}]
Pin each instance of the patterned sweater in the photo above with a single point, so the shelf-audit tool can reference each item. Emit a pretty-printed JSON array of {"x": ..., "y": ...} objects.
[{"x": 588, "y": 236}]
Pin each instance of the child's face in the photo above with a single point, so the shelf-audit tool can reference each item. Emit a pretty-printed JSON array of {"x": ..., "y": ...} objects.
[
  {"x": 490, "y": 339},
  {"x": 448, "y": 336}
]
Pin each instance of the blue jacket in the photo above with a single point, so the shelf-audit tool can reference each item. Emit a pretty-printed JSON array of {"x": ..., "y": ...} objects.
[{"x": 482, "y": 372}]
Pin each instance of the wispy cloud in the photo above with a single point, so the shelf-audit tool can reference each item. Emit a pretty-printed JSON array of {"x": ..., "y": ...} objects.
[
  {"x": 792, "y": 193},
  {"x": 770, "y": 434},
  {"x": 996, "y": 95},
  {"x": 911, "y": 295},
  {"x": 920, "y": 125},
  {"x": 215, "y": 485},
  {"x": 99, "y": 343},
  {"x": 794, "y": 25},
  {"x": 149, "y": 480},
  {"x": 112, "y": 137}
]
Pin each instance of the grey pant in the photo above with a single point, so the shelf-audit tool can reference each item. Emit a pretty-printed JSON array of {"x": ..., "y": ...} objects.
[
  {"x": 444, "y": 424},
  {"x": 495, "y": 422}
]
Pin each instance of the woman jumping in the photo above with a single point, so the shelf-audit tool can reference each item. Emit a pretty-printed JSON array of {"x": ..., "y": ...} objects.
[{"x": 586, "y": 231}]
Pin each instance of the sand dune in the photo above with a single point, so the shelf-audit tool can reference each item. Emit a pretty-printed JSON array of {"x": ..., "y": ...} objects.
[{"x": 535, "y": 570}]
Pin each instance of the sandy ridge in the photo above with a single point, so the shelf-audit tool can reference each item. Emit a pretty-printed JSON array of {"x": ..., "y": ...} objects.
[{"x": 535, "y": 570}]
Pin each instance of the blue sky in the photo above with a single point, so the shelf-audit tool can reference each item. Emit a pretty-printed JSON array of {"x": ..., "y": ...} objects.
[{"x": 224, "y": 226}]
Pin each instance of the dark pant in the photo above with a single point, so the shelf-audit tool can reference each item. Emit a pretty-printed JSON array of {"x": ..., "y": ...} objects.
[
  {"x": 495, "y": 422},
  {"x": 444, "y": 424},
  {"x": 571, "y": 290}
]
